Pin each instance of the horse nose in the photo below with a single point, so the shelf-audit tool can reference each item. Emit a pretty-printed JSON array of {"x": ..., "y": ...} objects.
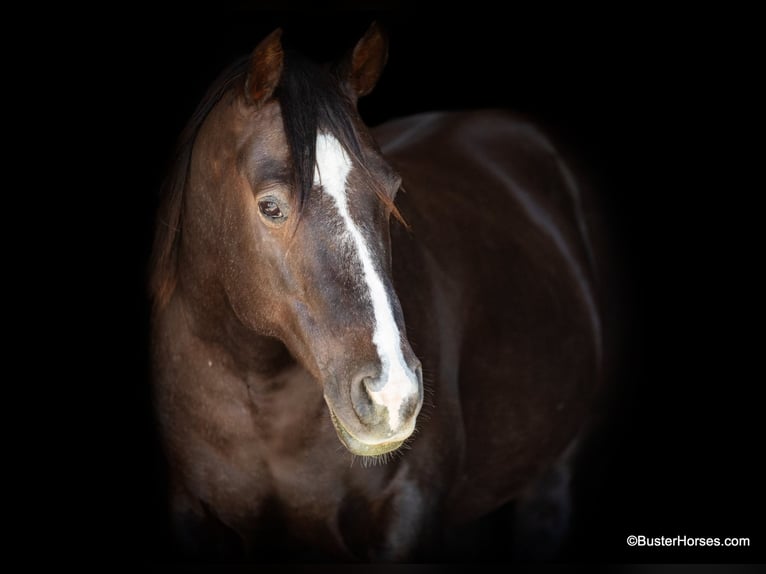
[{"x": 384, "y": 404}]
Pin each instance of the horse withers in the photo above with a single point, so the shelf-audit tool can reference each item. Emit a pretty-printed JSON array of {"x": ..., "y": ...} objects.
[{"x": 363, "y": 339}]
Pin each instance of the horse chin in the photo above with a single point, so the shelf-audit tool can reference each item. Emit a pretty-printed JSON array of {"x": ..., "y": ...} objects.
[{"x": 359, "y": 448}]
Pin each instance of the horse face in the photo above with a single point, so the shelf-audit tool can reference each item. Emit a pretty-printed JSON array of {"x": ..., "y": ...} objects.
[
  {"x": 318, "y": 277},
  {"x": 316, "y": 273}
]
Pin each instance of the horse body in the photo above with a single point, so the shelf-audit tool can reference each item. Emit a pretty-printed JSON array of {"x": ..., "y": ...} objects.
[
  {"x": 493, "y": 282},
  {"x": 491, "y": 312}
]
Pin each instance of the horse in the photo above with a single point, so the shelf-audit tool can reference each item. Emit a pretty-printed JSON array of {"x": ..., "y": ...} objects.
[{"x": 364, "y": 339}]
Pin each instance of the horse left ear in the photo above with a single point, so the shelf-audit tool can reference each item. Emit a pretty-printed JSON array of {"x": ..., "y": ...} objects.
[
  {"x": 365, "y": 64},
  {"x": 265, "y": 68}
]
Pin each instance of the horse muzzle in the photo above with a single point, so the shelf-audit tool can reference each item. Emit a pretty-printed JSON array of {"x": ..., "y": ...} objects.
[{"x": 382, "y": 415}]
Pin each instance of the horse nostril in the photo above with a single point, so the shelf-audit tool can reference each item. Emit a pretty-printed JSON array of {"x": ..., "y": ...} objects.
[
  {"x": 361, "y": 400},
  {"x": 369, "y": 384},
  {"x": 410, "y": 406}
]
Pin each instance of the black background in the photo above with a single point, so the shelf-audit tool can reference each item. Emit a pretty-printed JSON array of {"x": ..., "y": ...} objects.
[{"x": 634, "y": 95}]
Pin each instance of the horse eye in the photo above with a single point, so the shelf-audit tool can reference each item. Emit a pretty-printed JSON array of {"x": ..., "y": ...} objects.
[{"x": 270, "y": 209}]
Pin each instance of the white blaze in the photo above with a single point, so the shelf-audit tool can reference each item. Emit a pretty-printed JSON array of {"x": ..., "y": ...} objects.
[{"x": 332, "y": 168}]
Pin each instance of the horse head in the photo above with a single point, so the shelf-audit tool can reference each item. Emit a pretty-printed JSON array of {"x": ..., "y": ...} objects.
[{"x": 286, "y": 220}]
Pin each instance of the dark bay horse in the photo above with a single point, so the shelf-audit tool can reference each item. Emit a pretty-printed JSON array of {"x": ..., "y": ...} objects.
[{"x": 363, "y": 338}]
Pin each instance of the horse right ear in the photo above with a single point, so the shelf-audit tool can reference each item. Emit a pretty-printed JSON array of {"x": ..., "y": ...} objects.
[{"x": 265, "y": 69}]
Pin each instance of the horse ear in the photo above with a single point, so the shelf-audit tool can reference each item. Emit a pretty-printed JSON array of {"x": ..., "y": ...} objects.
[
  {"x": 265, "y": 68},
  {"x": 366, "y": 63}
]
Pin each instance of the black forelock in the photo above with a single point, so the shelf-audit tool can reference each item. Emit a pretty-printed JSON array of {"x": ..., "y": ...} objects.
[{"x": 311, "y": 100}]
